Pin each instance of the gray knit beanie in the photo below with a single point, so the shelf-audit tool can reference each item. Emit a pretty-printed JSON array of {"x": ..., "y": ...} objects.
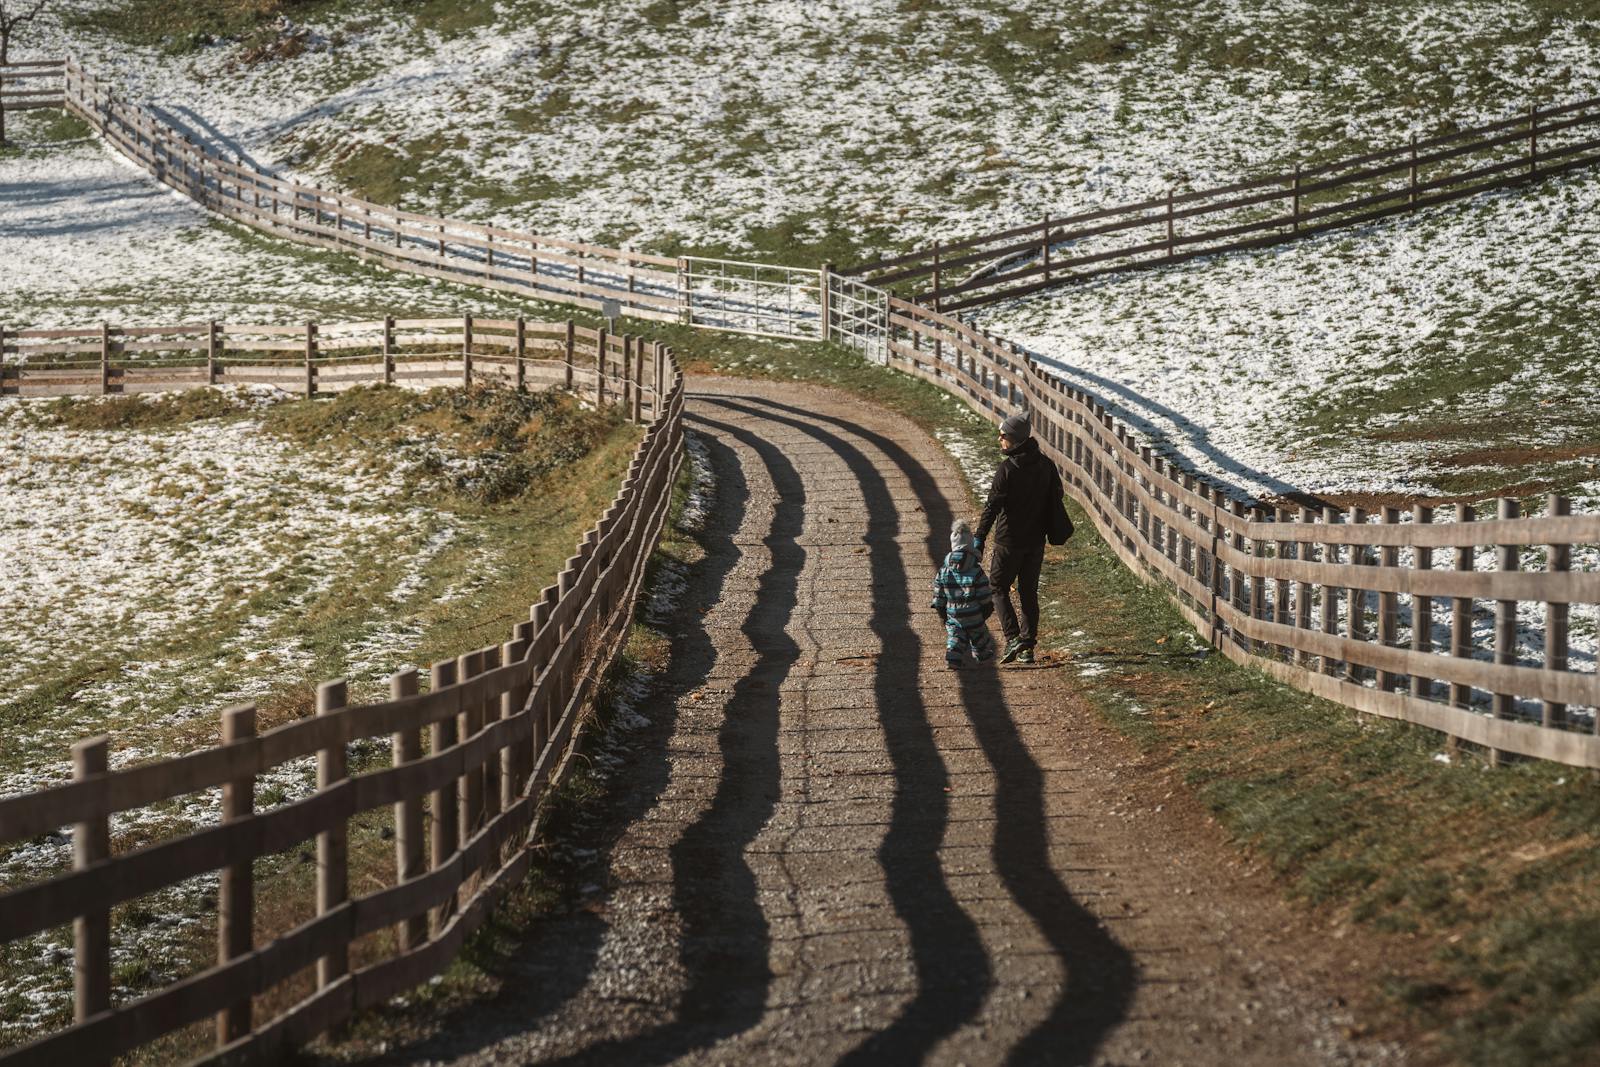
[
  {"x": 961, "y": 539},
  {"x": 1017, "y": 427}
]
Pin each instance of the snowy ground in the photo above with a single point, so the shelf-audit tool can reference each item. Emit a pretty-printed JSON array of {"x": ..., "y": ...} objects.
[
  {"x": 723, "y": 124},
  {"x": 793, "y": 131},
  {"x": 1380, "y": 361},
  {"x": 86, "y": 237}
]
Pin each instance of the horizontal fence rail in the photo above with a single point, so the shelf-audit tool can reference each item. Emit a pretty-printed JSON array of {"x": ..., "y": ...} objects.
[
  {"x": 715, "y": 294},
  {"x": 1376, "y": 615},
  {"x": 312, "y": 358},
  {"x": 474, "y": 754},
  {"x": 1309, "y": 200},
  {"x": 24, "y": 86}
]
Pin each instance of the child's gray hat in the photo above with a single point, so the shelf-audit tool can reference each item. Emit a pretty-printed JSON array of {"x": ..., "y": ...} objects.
[
  {"x": 1017, "y": 426},
  {"x": 961, "y": 539}
]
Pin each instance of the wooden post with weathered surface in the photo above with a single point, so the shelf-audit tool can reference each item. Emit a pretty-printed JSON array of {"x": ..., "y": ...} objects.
[
  {"x": 1461, "y": 620},
  {"x": 1508, "y": 559},
  {"x": 1330, "y": 592},
  {"x": 236, "y": 882},
  {"x": 333, "y": 845},
  {"x": 91, "y": 932},
  {"x": 600, "y": 369},
  {"x": 1556, "y": 615},
  {"x": 388, "y": 350},
  {"x": 1389, "y": 603},
  {"x": 638, "y": 379},
  {"x": 1422, "y": 608},
  {"x": 1356, "y": 597},
  {"x": 568, "y": 345},
  {"x": 408, "y": 863},
  {"x": 444, "y": 843},
  {"x": 311, "y": 355},
  {"x": 466, "y": 351},
  {"x": 469, "y": 720},
  {"x": 522, "y": 354},
  {"x": 213, "y": 335}
]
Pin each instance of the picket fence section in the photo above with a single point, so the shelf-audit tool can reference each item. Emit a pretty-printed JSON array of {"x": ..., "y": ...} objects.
[
  {"x": 1320, "y": 601},
  {"x": 499, "y": 723},
  {"x": 1244, "y": 215}
]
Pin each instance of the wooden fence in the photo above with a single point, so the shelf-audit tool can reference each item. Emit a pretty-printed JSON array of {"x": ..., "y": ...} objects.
[
  {"x": 547, "y": 268},
  {"x": 24, "y": 86},
  {"x": 1245, "y": 215},
  {"x": 500, "y": 723},
  {"x": 312, "y": 358},
  {"x": 1335, "y": 604}
]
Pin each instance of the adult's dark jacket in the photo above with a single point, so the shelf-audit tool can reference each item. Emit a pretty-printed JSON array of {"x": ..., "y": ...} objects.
[{"x": 1023, "y": 486}]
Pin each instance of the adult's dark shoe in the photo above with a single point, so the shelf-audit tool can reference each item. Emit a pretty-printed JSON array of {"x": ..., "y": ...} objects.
[{"x": 1013, "y": 650}]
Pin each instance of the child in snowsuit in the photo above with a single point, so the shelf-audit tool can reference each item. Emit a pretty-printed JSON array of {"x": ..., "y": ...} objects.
[{"x": 961, "y": 594}]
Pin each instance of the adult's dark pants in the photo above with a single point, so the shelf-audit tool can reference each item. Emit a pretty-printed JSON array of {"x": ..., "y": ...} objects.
[{"x": 1019, "y": 565}]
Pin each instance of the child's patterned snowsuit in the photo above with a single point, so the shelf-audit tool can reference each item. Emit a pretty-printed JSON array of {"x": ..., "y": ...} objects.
[{"x": 961, "y": 594}]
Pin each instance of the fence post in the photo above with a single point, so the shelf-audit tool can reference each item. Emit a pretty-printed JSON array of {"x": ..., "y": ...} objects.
[
  {"x": 512, "y": 771},
  {"x": 1422, "y": 608},
  {"x": 407, "y": 748},
  {"x": 638, "y": 379},
  {"x": 1413, "y": 167},
  {"x": 539, "y": 616},
  {"x": 1172, "y": 247},
  {"x": 1461, "y": 618},
  {"x": 825, "y": 293},
  {"x": 105, "y": 359},
  {"x": 1356, "y": 597},
  {"x": 522, "y": 352},
  {"x": 569, "y": 344},
  {"x": 600, "y": 369},
  {"x": 1284, "y": 613},
  {"x": 1236, "y": 574},
  {"x": 1556, "y": 615},
  {"x": 443, "y": 844},
  {"x": 212, "y": 330},
  {"x": 1330, "y": 592},
  {"x": 1508, "y": 558},
  {"x": 659, "y": 404},
  {"x": 937, "y": 300},
  {"x": 311, "y": 354},
  {"x": 466, "y": 351},
  {"x": 1533, "y": 139},
  {"x": 91, "y": 933},
  {"x": 469, "y": 720},
  {"x": 388, "y": 350},
  {"x": 333, "y": 846},
  {"x": 236, "y": 885},
  {"x": 626, "y": 371},
  {"x": 1295, "y": 216},
  {"x": 1389, "y": 603}
]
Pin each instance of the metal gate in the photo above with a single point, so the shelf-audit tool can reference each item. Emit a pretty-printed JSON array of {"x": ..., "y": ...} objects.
[
  {"x": 858, "y": 316},
  {"x": 755, "y": 298}
]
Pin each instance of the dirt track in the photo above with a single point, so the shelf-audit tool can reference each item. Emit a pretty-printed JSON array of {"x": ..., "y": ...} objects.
[{"x": 831, "y": 849}]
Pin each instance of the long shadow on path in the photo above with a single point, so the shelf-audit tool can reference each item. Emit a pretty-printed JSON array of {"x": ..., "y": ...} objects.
[
  {"x": 1101, "y": 973},
  {"x": 953, "y": 970},
  {"x": 726, "y": 943}
]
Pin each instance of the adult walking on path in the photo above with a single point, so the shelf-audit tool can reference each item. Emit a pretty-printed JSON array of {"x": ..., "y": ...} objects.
[{"x": 1026, "y": 485}]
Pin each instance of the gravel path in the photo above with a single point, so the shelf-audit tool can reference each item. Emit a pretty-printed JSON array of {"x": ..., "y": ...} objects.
[{"x": 831, "y": 849}]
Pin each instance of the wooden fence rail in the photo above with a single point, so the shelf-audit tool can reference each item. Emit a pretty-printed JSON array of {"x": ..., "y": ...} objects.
[
  {"x": 1245, "y": 215},
  {"x": 312, "y": 358},
  {"x": 548, "y": 268},
  {"x": 501, "y": 721},
  {"x": 1324, "y": 602}
]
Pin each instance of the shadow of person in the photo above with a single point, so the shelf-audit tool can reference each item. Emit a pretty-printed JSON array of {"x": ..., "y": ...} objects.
[{"x": 1101, "y": 975}]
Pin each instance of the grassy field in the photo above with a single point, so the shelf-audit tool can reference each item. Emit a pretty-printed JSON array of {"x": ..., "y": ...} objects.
[{"x": 395, "y": 528}]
